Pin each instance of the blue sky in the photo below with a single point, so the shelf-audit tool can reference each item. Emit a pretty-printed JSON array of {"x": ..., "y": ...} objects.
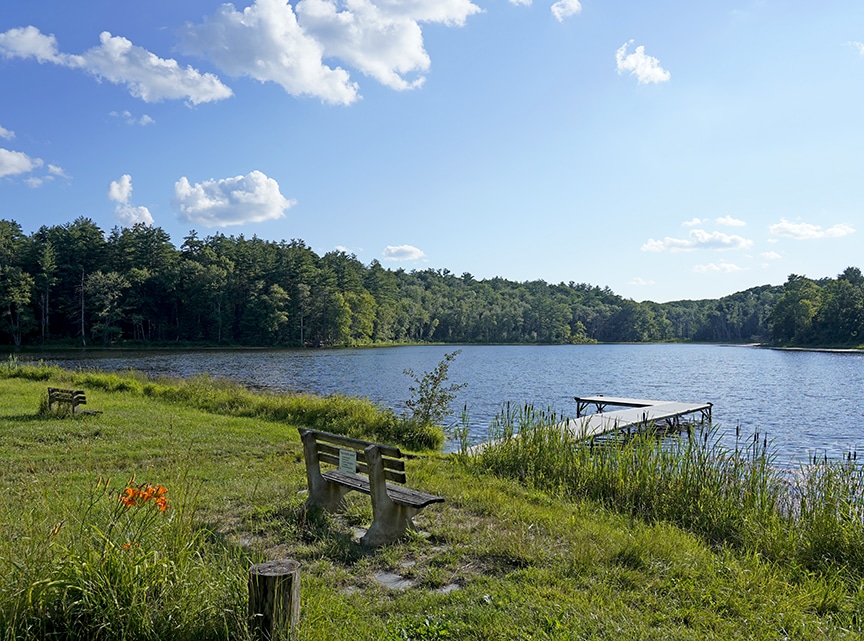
[{"x": 668, "y": 150}]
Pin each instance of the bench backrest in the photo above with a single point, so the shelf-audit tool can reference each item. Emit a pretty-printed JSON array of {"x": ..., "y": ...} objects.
[
  {"x": 328, "y": 446},
  {"x": 76, "y": 397}
]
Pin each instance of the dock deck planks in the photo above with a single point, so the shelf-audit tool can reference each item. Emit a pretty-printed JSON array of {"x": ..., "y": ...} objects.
[{"x": 639, "y": 412}]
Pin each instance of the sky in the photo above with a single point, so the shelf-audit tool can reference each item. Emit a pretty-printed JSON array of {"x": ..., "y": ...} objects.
[{"x": 668, "y": 150}]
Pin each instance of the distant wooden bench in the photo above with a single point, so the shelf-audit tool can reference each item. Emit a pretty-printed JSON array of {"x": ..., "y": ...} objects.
[
  {"x": 363, "y": 467},
  {"x": 68, "y": 398}
]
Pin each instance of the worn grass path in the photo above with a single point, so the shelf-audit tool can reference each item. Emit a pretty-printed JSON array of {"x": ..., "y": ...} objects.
[{"x": 496, "y": 561}]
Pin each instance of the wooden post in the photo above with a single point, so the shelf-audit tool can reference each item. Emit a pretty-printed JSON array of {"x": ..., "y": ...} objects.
[{"x": 274, "y": 599}]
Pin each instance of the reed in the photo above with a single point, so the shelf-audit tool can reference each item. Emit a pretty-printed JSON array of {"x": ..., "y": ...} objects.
[{"x": 729, "y": 494}]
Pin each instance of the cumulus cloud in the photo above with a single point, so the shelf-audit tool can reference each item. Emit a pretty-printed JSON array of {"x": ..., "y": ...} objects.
[
  {"x": 13, "y": 163},
  {"x": 5, "y": 133},
  {"x": 722, "y": 267},
  {"x": 728, "y": 221},
  {"x": 563, "y": 9},
  {"x": 402, "y": 252},
  {"x": 693, "y": 222},
  {"x": 273, "y": 42},
  {"x": 127, "y": 214},
  {"x": 252, "y": 198},
  {"x": 646, "y": 68},
  {"x": 698, "y": 239},
  {"x": 806, "y": 231},
  {"x": 116, "y": 59}
]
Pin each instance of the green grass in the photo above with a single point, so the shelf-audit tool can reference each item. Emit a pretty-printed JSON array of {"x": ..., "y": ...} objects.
[{"x": 500, "y": 559}]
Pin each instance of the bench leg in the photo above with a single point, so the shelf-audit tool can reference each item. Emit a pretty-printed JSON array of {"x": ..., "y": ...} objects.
[
  {"x": 389, "y": 524},
  {"x": 390, "y": 520},
  {"x": 322, "y": 494}
]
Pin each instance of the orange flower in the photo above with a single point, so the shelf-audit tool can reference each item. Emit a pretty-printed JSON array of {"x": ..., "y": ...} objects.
[{"x": 162, "y": 503}]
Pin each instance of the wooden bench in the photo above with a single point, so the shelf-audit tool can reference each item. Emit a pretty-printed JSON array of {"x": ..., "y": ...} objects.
[
  {"x": 363, "y": 467},
  {"x": 68, "y": 398}
]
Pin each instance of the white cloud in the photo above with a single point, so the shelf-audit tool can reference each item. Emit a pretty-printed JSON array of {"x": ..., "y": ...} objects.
[
  {"x": 383, "y": 39},
  {"x": 806, "y": 231},
  {"x": 563, "y": 9},
  {"x": 722, "y": 267},
  {"x": 29, "y": 42},
  {"x": 646, "y": 68},
  {"x": 13, "y": 163},
  {"x": 272, "y": 41},
  {"x": 117, "y": 60},
  {"x": 131, "y": 119},
  {"x": 728, "y": 221},
  {"x": 772, "y": 255},
  {"x": 252, "y": 198},
  {"x": 127, "y": 214},
  {"x": 693, "y": 222},
  {"x": 858, "y": 45},
  {"x": 641, "y": 282},
  {"x": 5, "y": 133},
  {"x": 698, "y": 239},
  {"x": 402, "y": 252},
  {"x": 524, "y": 3},
  {"x": 266, "y": 42}
]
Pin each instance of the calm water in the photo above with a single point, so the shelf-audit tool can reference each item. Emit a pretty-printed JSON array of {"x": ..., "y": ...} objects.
[{"x": 806, "y": 401}]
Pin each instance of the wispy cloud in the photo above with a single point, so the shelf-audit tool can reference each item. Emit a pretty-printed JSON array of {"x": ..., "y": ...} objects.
[
  {"x": 402, "y": 252},
  {"x": 858, "y": 45},
  {"x": 563, "y": 9},
  {"x": 772, "y": 255},
  {"x": 807, "y": 231},
  {"x": 641, "y": 282},
  {"x": 721, "y": 267},
  {"x": 6, "y": 134},
  {"x": 698, "y": 239},
  {"x": 127, "y": 214},
  {"x": 251, "y": 198},
  {"x": 131, "y": 119},
  {"x": 728, "y": 221},
  {"x": 116, "y": 59},
  {"x": 693, "y": 222},
  {"x": 646, "y": 68}
]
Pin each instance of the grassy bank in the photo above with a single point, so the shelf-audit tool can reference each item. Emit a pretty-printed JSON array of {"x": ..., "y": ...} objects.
[{"x": 501, "y": 559}]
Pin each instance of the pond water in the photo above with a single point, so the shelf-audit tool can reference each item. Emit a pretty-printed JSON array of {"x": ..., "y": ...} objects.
[{"x": 805, "y": 401}]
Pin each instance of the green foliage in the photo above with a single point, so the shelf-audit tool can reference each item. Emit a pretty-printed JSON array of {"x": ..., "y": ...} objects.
[
  {"x": 730, "y": 496},
  {"x": 431, "y": 395},
  {"x": 69, "y": 283},
  {"x": 89, "y": 565},
  {"x": 497, "y": 560}
]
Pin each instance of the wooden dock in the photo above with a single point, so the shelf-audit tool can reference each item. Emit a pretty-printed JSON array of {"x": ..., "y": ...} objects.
[{"x": 639, "y": 412}]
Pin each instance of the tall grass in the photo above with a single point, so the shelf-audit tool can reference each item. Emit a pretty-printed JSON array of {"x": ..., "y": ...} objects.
[
  {"x": 90, "y": 565},
  {"x": 337, "y": 413},
  {"x": 729, "y": 494}
]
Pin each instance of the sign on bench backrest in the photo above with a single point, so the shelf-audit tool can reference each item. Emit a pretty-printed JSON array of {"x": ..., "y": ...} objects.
[{"x": 348, "y": 461}]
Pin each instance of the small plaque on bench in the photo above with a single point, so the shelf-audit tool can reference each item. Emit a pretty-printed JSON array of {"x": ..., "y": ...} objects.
[{"x": 348, "y": 461}]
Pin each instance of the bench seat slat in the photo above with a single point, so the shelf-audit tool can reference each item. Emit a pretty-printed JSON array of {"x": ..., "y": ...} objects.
[
  {"x": 353, "y": 443},
  {"x": 399, "y": 494}
]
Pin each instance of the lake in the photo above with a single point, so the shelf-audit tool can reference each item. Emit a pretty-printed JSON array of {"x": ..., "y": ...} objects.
[{"x": 805, "y": 401}]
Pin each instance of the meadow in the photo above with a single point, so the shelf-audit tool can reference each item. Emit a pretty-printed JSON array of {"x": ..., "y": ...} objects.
[{"x": 142, "y": 523}]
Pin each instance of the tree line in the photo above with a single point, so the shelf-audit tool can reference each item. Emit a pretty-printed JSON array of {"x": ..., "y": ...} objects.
[{"x": 75, "y": 284}]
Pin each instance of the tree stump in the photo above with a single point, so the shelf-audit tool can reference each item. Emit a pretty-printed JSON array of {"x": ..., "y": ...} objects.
[{"x": 274, "y": 599}]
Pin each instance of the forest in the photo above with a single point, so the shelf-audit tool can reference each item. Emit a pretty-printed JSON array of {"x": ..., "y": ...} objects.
[{"x": 76, "y": 285}]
